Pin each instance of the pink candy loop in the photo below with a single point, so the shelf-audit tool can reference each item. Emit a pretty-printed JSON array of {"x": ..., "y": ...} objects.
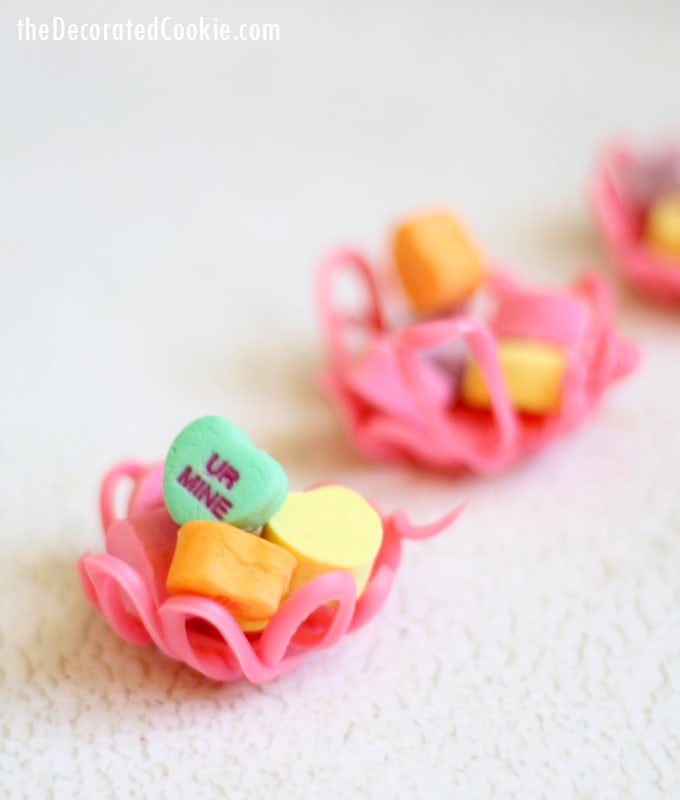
[
  {"x": 337, "y": 323},
  {"x": 608, "y": 357},
  {"x": 401, "y": 525},
  {"x": 287, "y": 626},
  {"x": 133, "y": 470},
  {"x": 373, "y": 597},
  {"x": 119, "y": 593},
  {"x": 148, "y": 491},
  {"x": 224, "y": 657}
]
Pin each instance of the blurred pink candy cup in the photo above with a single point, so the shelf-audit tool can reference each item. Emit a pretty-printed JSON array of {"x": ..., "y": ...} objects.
[
  {"x": 623, "y": 184},
  {"x": 397, "y": 401}
]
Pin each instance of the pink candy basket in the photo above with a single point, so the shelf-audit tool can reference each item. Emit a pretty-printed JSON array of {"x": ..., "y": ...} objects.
[
  {"x": 620, "y": 226},
  {"x": 398, "y": 404},
  {"x": 202, "y": 633}
]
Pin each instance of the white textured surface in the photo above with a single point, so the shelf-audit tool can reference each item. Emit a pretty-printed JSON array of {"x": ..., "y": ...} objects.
[{"x": 162, "y": 210}]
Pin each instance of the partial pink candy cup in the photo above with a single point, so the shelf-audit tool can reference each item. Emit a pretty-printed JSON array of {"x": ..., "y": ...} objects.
[
  {"x": 396, "y": 401},
  {"x": 126, "y": 585},
  {"x": 619, "y": 223}
]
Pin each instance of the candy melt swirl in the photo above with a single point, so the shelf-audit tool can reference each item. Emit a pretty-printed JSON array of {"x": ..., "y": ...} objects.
[{"x": 202, "y": 633}]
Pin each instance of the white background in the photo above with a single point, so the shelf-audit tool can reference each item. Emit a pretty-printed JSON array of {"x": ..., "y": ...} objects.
[{"x": 163, "y": 209}]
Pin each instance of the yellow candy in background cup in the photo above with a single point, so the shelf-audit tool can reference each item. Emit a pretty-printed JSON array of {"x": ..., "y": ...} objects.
[
  {"x": 533, "y": 374},
  {"x": 662, "y": 226}
]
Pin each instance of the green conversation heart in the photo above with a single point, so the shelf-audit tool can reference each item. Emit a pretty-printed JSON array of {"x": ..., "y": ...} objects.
[{"x": 214, "y": 472}]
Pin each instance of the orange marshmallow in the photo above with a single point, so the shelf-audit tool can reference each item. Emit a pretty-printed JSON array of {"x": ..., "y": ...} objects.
[
  {"x": 438, "y": 265},
  {"x": 246, "y": 574}
]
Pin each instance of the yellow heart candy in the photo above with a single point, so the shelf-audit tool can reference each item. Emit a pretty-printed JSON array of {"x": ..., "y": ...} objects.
[{"x": 327, "y": 529}]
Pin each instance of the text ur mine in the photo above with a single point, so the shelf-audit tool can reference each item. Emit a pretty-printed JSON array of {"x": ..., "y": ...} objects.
[{"x": 220, "y": 470}]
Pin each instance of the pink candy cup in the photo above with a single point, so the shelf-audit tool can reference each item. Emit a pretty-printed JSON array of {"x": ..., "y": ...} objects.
[
  {"x": 409, "y": 417},
  {"x": 126, "y": 589},
  {"x": 619, "y": 221}
]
